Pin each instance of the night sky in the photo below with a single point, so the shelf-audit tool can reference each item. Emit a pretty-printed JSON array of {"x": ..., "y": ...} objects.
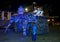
[{"x": 14, "y": 4}]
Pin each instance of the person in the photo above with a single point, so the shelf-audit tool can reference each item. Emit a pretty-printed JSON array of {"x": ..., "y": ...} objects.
[
  {"x": 34, "y": 32},
  {"x": 22, "y": 20},
  {"x": 31, "y": 19},
  {"x": 19, "y": 21},
  {"x": 38, "y": 12}
]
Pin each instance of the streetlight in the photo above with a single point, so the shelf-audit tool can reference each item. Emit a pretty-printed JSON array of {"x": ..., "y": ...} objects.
[
  {"x": 26, "y": 9},
  {"x": 48, "y": 20},
  {"x": 52, "y": 19}
]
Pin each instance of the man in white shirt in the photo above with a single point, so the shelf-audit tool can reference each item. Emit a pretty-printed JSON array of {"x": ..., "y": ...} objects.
[{"x": 38, "y": 12}]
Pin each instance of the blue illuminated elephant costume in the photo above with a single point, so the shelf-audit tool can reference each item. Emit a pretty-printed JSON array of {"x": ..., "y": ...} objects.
[
  {"x": 21, "y": 21},
  {"x": 24, "y": 22}
]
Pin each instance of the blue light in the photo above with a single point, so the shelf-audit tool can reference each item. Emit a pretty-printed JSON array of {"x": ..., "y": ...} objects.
[
  {"x": 34, "y": 30},
  {"x": 20, "y": 10},
  {"x": 29, "y": 19}
]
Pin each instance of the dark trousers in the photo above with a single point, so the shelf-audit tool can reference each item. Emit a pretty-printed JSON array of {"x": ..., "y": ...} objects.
[{"x": 34, "y": 37}]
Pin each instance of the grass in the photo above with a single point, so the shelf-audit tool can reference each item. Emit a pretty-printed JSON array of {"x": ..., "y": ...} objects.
[{"x": 52, "y": 36}]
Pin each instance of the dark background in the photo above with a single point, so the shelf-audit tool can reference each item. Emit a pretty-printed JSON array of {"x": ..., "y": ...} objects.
[{"x": 12, "y": 5}]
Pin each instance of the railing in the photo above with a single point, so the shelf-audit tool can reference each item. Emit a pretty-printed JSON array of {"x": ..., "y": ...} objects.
[{"x": 5, "y": 15}]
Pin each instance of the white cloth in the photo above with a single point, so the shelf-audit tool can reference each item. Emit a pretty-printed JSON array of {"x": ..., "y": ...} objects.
[
  {"x": 34, "y": 11},
  {"x": 38, "y": 13}
]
